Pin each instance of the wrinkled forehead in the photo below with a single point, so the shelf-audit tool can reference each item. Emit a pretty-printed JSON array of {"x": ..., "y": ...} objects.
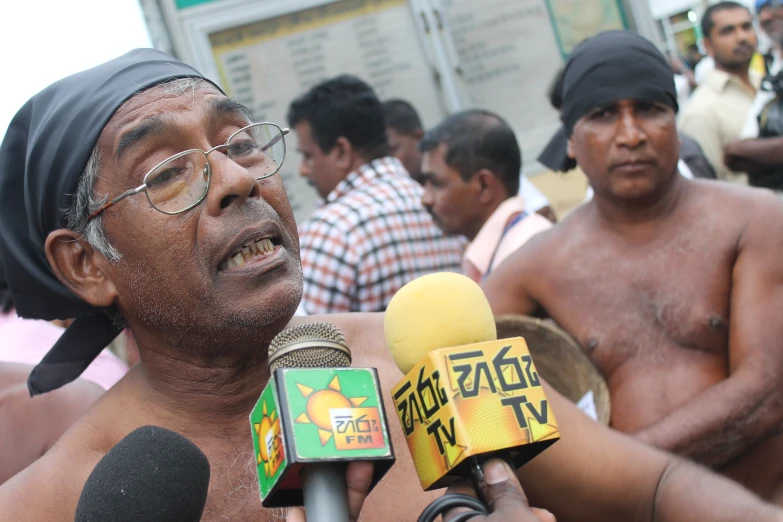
[{"x": 189, "y": 98}]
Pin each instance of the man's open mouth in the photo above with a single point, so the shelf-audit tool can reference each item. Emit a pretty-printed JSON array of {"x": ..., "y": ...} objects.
[{"x": 253, "y": 251}]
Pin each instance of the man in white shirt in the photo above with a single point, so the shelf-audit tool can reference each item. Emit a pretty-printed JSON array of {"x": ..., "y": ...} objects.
[{"x": 717, "y": 110}]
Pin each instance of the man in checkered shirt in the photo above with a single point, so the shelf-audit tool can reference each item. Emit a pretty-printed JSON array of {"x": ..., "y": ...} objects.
[{"x": 372, "y": 235}]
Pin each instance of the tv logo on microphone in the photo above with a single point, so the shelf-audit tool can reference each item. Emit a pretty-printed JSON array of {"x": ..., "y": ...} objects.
[{"x": 472, "y": 400}]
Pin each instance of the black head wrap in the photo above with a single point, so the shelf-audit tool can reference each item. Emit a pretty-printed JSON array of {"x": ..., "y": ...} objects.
[
  {"x": 42, "y": 157},
  {"x": 611, "y": 66}
]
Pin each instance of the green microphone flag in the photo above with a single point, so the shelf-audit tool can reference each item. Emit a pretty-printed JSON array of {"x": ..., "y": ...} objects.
[{"x": 314, "y": 415}]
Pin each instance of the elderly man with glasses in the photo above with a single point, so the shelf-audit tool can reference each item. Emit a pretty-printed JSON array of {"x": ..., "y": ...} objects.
[{"x": 205, "y": 272}]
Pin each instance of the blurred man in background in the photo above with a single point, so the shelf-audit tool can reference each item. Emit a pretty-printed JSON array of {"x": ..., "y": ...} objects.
[
  {"x": 760, "y": 151},
  {"x": 471, "y": 171},
  {"x": 404, "y": 132},
  {"x": 716, "y": 112},
  {"x": 372, "y": 235}
]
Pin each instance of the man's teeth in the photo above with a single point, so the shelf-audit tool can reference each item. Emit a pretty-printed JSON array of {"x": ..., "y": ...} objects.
[{"x": 249, "y": 251}]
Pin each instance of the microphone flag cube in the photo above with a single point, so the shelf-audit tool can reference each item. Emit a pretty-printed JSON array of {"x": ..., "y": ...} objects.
[
  {"x": 312, "y": 415},
  {"x": 473, "y": 400}
]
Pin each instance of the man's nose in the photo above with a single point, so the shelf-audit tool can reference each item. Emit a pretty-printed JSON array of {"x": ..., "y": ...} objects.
[
  {"x": 629, "y": 133},
  {"x": 426, "y": 197},
  {"x": 304, "y": 169},
  {"x": 231, "y": 184}
]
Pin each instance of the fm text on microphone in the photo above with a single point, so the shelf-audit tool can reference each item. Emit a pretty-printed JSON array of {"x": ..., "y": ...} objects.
[
  {"x": 151, "y": 474},
  {"x": 466, "y": 396},
  {"x": 314, "y": 416}
]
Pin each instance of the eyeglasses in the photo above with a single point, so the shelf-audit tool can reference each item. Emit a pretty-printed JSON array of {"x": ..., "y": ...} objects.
[{"x": 179, "y": 183}]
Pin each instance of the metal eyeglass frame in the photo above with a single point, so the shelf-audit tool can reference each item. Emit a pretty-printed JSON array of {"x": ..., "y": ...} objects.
[{"x": 143, "y": 186}]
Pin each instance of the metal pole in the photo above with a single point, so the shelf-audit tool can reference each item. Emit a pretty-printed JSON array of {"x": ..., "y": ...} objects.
[{"x": 643, "y": 22}]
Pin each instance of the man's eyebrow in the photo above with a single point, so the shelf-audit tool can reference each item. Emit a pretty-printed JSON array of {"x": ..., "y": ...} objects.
[
  {"x": 229, "y": 107},
  {"x": 147, "y": 129},
  {"x": 603, "y": 107}
]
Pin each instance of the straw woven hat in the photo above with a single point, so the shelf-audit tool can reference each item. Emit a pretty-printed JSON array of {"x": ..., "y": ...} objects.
[{"x": 559, "y": 360}]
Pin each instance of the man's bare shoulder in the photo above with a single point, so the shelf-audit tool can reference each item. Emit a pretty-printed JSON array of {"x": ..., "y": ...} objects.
[
  {"x": 744, "y": 206},
  {"x": 732, "y": 193},
  {"x": 34, "y": 424},
  {"x": 543, "y": 250},
  {"x": 49, "y": 489}
]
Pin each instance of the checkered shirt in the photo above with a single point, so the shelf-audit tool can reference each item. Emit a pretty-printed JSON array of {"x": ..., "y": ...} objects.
[{"x": 371, "y": 237}]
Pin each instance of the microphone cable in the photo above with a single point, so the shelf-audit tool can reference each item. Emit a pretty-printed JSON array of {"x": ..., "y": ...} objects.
[{"x": 445, "y": 503}]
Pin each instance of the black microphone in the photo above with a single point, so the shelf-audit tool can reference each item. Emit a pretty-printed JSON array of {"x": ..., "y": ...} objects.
[{"x": 153, "y": 474}]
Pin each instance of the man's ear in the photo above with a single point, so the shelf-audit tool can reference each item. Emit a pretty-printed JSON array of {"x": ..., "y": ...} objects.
[
  {"x": 487, "y": 185},
  {"x": 79, "y": 267},
  {"x": 708, "y": 47},
  {"x": 344, "y": 153},
  {"x": 570, "y": 149},
  {"x": 418, "y": 134}
]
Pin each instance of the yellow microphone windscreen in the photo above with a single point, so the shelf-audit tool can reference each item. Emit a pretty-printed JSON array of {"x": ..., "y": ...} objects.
[{"x": 436, "y": 311}]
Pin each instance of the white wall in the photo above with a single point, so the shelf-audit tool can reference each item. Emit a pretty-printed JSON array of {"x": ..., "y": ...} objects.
[
  {"x": 45, "y": 40},
  {"x": 662, "y": 8}
]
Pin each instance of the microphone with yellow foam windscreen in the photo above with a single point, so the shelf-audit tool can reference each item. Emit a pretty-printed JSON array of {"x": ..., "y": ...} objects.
[{"x": 466, "y": 396}]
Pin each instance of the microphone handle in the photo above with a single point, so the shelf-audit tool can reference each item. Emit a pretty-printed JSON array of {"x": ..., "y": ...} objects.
[{"x": 325, "y": 495}]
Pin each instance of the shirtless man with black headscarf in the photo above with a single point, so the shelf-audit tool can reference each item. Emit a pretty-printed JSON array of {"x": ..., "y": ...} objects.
[
  {"x": 673, "y": 287},
  {"x": 188, "y": 266}
]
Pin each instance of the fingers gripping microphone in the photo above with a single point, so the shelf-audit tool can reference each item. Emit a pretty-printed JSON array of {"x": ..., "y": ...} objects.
[
  {"x": 152, "y": 474},
  {"x": 314, "y": 416},
  {"x": 466, "y": 396}
]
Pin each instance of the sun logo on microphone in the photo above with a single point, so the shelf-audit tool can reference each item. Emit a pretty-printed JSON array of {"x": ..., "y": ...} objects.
[
  {"x": 341, "y": 417},
  {"x": 270, "y": 443}
]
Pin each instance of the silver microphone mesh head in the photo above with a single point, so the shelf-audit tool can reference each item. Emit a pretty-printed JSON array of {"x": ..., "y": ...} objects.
[{"x": 314, "y": 345}]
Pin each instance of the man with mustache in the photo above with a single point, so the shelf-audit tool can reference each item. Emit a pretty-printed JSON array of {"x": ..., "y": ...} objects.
[
  {"x": 673, "y": 287},
  {"x": 716, "y": 112},
  {"x": 204, "y": 269}
]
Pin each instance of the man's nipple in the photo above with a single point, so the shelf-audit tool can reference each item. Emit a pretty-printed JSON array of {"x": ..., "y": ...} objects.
[
  {"x": 591, "y": 345},
  {"x": 717, "y": 323}
]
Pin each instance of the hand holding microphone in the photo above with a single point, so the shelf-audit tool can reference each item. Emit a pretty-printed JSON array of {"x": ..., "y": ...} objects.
[
  {"x": 358, "y": 479},
  {"x": 504, "y": 494}
]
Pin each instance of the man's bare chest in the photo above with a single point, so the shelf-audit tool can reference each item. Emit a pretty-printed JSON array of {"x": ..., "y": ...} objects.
[
  {"x": 233, "y": 487},
  {"x": 648, "y": 302}
]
